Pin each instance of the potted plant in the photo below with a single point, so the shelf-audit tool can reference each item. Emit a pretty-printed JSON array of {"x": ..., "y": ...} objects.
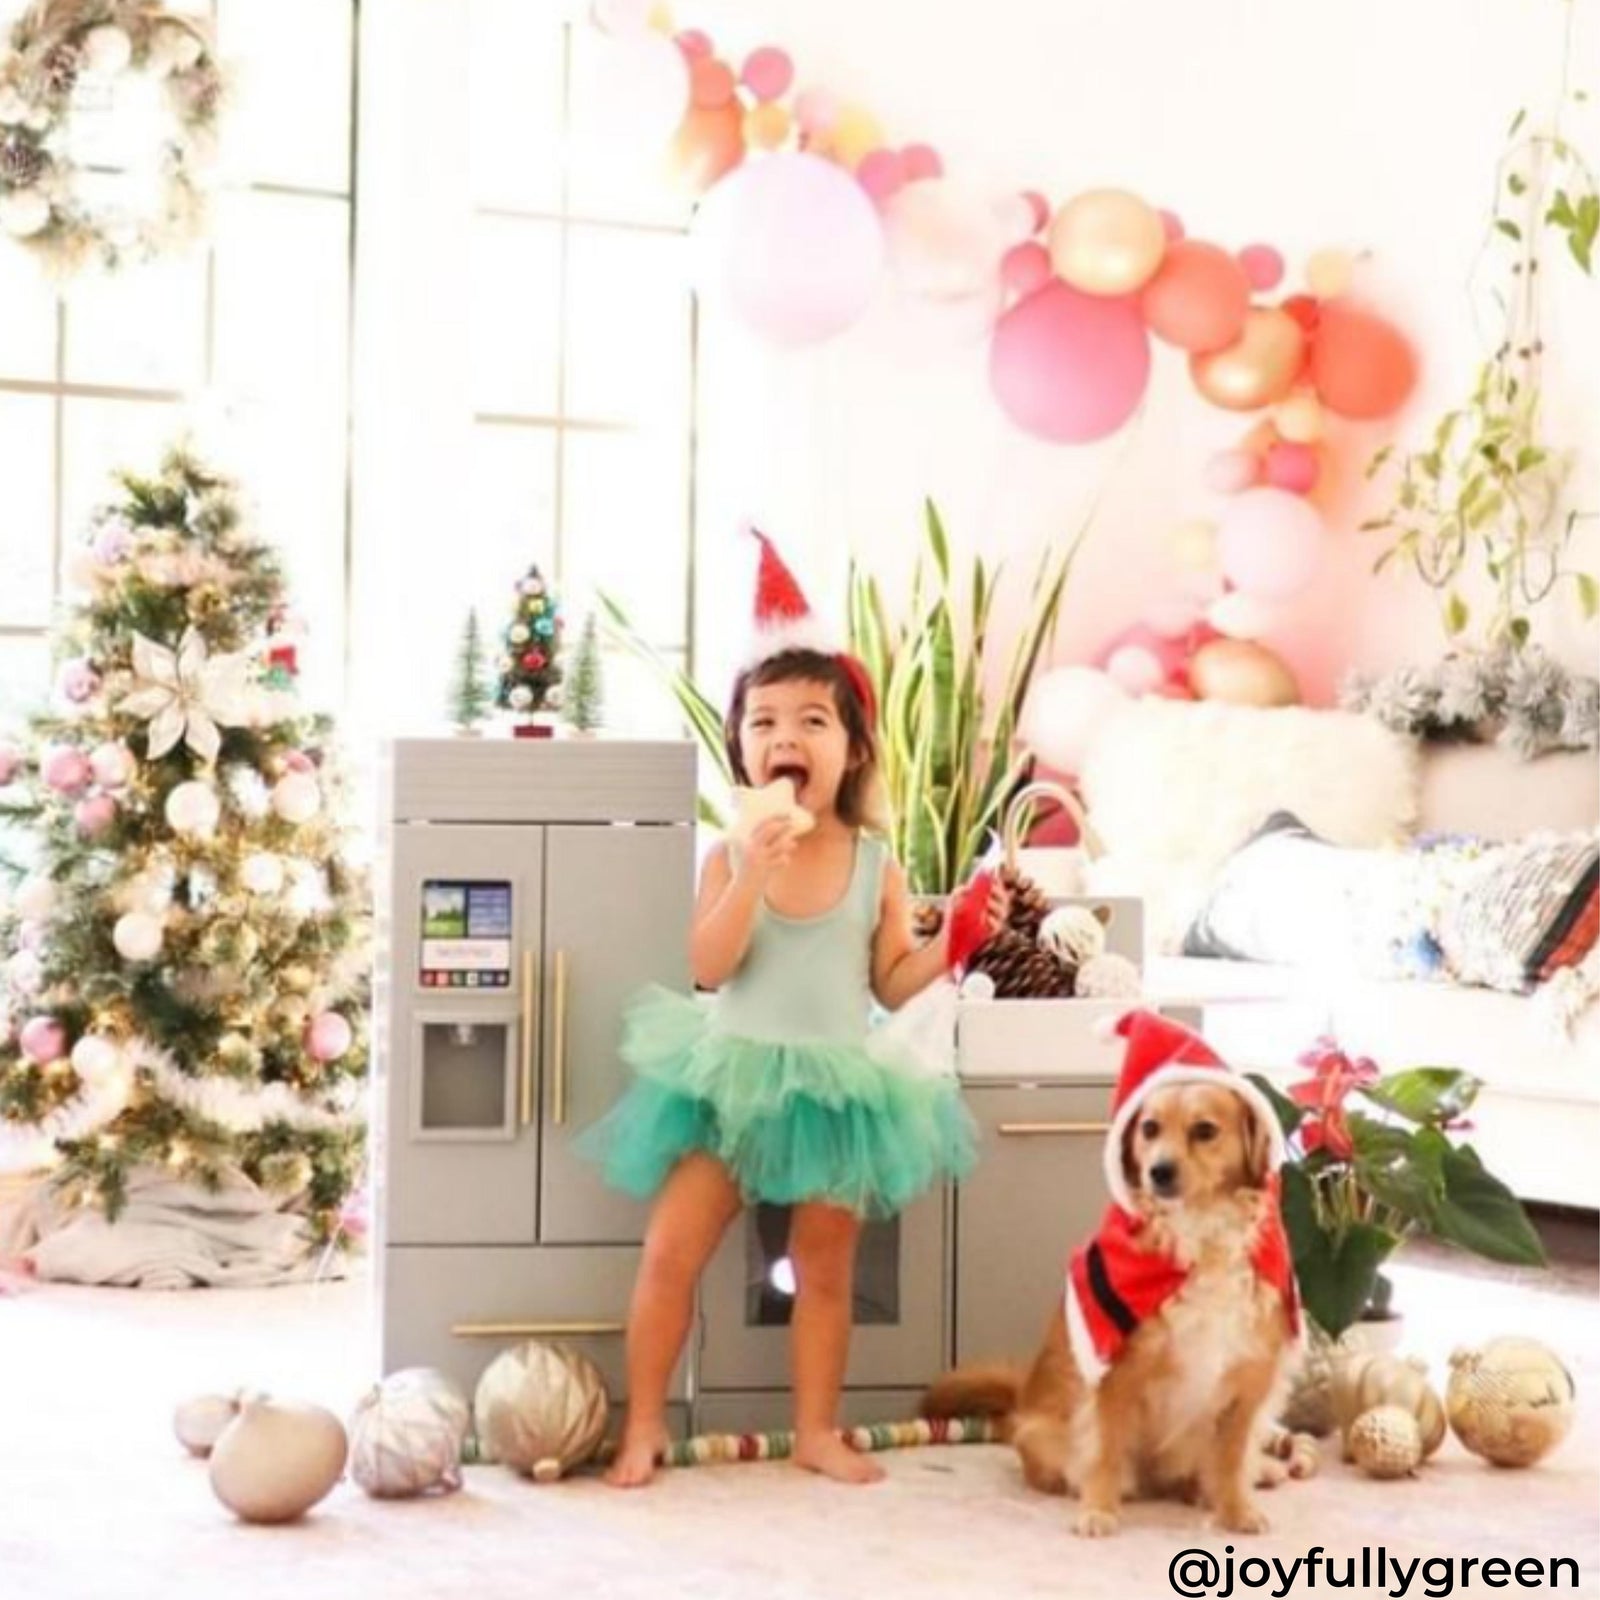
[{"x": 1375, "y": 1158}]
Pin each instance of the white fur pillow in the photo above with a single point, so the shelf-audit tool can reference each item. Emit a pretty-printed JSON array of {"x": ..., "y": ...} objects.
[{"x": 1174, "y": 787}]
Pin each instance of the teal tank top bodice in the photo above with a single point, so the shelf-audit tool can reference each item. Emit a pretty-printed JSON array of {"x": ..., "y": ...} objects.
[{"x": 810, "y": 977}]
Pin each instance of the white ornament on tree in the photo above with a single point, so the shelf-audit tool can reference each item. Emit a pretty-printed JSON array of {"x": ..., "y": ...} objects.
[
  {"x": 296, "y": 797},
  {"x": 262, "y": 874},
  {"x": 113, "y": 764},
  {"x": 188, "y": 694},
  {"x": 137, "y": 937},
  {"x": 106, "y": 51},
  {"x": 36, "y": 899},
  {"x": 95, "y": 1058},
  {"x": 193, "y": 808},
  {"x": 24, "y": 212}
]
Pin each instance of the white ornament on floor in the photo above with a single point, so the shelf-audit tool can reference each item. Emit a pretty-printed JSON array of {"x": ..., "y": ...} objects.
[
  {"x": 277, "y": 1459},
  {"x": 199, "y": 1422},
  {"x": 1108, "y": 976},
  {"x": 1074, "y": 933},
  {"x": 407, "y": 1433},
  {"x": 541, "y": 1408}
]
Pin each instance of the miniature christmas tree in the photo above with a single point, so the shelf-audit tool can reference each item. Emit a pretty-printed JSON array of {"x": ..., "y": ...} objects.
[
  {"x": 529, "y": 671},
  {"x": 469, "y": 693},
  {"x": 184, "y": 990},
  {"x": 585, "y": 691}
]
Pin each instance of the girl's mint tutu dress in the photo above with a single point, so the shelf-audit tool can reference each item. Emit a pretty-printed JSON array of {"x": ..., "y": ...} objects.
[{"x": 781, "y": 1077}]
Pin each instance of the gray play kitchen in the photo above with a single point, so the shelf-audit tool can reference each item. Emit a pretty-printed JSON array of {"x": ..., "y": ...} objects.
[{"x": 526, "y": 889}]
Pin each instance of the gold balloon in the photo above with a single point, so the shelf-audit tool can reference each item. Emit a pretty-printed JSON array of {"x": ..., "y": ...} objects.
[
  {"x": 1258, "y": 367},
  {"x": 1107, "y": 241},
  {"x": 767, "y": 126},
  {"x": 1330, "y": 272},
  {"x": 854, "y": 133},
  {"x": 1299, "y": 419},
  {"x": 1242, "y": 673}
]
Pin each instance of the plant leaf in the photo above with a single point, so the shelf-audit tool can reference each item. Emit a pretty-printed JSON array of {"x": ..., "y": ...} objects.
[
  {"x": 1426, "y": 1094},
  {"x": 1336, "y": 1273},
  {"x": 1479, "y": 1213},
  {"x": 1455, "y": 614},
  {"x": 1588, "y": 593},
  {"x": 1508, "y": 228}
]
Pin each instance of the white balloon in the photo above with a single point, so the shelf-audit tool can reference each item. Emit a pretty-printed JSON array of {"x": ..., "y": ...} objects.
[
  {"x": 137, "y": 936},
  {"x": 1134, "y": 668},
  {"x": 946, "y": 238},
  {"x": 1066, "y": 711},
  {"x": 296, "y": 797},
  {"x": 194, "y": 808},
  {"x": 1240, "y": 615}
]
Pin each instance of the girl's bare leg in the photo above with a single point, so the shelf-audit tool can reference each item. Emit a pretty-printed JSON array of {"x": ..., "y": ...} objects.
[
  {"x": 822, "y": 1246},
  {"x": 692, "y": 1212}
]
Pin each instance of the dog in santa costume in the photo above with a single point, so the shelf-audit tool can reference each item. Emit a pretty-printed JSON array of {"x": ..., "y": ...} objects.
[{"x": 1176, "y": 1334}]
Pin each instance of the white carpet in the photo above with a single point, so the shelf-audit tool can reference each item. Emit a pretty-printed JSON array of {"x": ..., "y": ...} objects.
[{"x": 97, "y": 1499}]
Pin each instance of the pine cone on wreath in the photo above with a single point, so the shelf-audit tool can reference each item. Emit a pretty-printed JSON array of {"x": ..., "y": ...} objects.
[
  {"x": 1020, "y": 970},
  {"x": 21, "y": 162},
  {"x": 1029, "y": 904},
  {"x": 61, "y": 67}
]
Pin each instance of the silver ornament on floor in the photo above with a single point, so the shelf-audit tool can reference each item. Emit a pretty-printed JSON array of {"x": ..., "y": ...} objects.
[
  {"x": 200, "y": 1420},
  {"x": 277, "y": 1459},
  {"x": 541, "y": 1409},
  {"x": 1108, "y": 976},
  {"x": 1074, "y": 933},
  {"x": 1510, "y": 1402},
  {"x": 406, "y": 1435}
]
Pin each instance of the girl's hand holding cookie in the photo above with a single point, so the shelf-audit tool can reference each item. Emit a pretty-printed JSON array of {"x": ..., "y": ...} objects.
[{"x": 769, "y": 848}]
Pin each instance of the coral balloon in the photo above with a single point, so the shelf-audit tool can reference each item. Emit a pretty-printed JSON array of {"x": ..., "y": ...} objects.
[
  {"x": 694, "y": 43},
  {"x": 922, "y": 161},
  {"x": 1232, "y": 471},
  {"x": 1292, "y": 467},
  {"x": 1067, "y": 366},
  {"x": 1066, "y": 710},
  {"x": 1198, "y": 299},
  {"x": 708, "y": 145},
  {"x": 1361, "y": 365},
  {"x": 1038, "y": 208},
  {"x": 1107, "y": 242},
  {"x": 767, "y": 126},
  {"x": 1299, "y": 419},
  {"x": 1242, "y": 673},
  {"x": 711, "y": 83},
  {"x": 1258, "y": 367},
  {"x": 1269, "y": 542},
  {"x": 882, "y": 174},
  {"x": 767, "y": 73},
  {"x": 1025, "y": 267},
  {"x": 1329, "y": 273},
  {"x": 1305, "y": 309},
  {"x": 1263, "y": 266},
  {"x": 796, "y": 248}
]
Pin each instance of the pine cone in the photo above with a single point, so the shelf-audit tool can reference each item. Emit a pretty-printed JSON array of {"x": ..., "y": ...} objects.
[
  {"x": 1021, "y": 970},
  {"x": 61, "y": 68},
  {"x": 1029, "y": 905},
  {"x": 21, "y": 162},
  {"x": 927, "y": 919}
]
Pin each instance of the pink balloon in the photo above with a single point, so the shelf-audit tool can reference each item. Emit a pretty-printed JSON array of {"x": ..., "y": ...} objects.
[
  {"x": 1025, "y": 267},
  {"x": 1269, "y": 542},
  {"x": 1070, "y": 367},
  {"x": 1172, "y": 225},
  {"x": 43, "y": 1040},
  {"x": 767, "y": 72},
  {"x": 1292, "y": 466},
  {"x": 695, "y": 44},
  {"x": 922, "y": 161},
  {"x": 1263, "y": 266},
  {"x": 798, "y": 248},
  {"x": 815, "y": 111},
  {"x": 882, "y": 174},
  {"x": 1039, "y": 206},
  {"x": 1230, "y": 471},
  {"x": 1135, "y": 669}
]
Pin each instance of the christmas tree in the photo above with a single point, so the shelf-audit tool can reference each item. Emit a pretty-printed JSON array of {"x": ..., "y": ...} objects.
[
  {"x": 186, "y": 984},
  {"x": 529, "y": 672},
  {"x": 469, "y": 694},
  {"x": 585, "y": 692}
]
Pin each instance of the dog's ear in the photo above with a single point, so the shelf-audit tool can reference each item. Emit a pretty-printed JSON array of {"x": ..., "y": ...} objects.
[
  {"x": 1257, "y": 1148},
  {"x": 1131, "y": 1174}
]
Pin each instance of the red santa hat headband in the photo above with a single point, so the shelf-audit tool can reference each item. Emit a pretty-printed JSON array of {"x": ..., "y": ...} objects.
[
  {"x": 1161, "y": 1053},
  {"x": 784, "y": 621}
]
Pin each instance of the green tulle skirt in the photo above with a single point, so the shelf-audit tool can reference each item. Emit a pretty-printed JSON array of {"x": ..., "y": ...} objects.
[{"x": 844, "y": 1123}]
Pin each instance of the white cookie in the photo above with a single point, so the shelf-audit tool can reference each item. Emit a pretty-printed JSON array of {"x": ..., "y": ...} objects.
[{"x": 752, "y": 807}]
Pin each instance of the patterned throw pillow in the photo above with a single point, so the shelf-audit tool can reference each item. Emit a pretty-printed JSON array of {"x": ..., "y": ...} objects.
[{"x": 1523, "y": 911}]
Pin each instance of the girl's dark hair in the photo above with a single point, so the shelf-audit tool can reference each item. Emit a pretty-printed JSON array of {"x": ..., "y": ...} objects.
[{"x": 859, "y": 804}]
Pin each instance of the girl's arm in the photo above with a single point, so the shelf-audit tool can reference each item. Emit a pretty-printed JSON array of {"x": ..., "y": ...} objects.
[
  {"x": 901, "y": 968},
  {"x": 725, "y": 909}
]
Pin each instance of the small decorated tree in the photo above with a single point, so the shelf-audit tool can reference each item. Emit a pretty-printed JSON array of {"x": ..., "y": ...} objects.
[
  {"x": 585, "y": 691},
  {"x": 469, "y": 693},
  {"x": 529, "y": 670},
  {"x": 184, "y": 988}
]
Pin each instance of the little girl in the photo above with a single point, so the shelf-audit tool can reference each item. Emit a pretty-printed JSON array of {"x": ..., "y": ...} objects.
[{"x": 774, "y": 1094}]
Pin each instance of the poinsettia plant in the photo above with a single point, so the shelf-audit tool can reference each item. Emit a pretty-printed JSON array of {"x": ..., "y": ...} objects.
[{"x": 1372, "y": 1158}]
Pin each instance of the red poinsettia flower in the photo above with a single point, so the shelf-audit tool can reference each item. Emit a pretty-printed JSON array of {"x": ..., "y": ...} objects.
[{"x": 1333, "y": 1076}]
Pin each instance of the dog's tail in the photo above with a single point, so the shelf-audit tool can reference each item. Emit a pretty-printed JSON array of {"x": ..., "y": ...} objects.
[{"x": 992, "y": 1390}]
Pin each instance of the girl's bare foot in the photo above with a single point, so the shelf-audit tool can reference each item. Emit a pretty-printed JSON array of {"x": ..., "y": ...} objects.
[
  {"x": 828, "y": 1454},
  {"x": 636, "y": 1458}
]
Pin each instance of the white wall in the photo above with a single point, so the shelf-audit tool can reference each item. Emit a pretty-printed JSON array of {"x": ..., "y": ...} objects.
[{"x": 1374, "y": 124}]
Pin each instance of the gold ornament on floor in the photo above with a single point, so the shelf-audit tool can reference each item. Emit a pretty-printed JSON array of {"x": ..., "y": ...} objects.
[
  {"x": 541, "y": 1409},
  {"x": 277, "y": 1459},
  {"x": 1385, "y": 1442},
  {"x": 1362, "y": 1382},
  {"x": 407, "y": 1433},
  {"x": 1510, "y": 1402}
]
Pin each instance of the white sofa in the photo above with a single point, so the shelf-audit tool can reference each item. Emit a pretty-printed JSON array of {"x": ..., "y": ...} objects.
[{"x": 1172, "y": 789}]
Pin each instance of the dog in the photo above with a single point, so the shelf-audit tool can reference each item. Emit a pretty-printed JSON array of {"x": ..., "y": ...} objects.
[{"x": 1162, "y": 1366}]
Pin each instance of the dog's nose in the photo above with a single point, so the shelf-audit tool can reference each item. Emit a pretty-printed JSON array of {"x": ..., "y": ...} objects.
[{"x": 1164, "y": 1177}]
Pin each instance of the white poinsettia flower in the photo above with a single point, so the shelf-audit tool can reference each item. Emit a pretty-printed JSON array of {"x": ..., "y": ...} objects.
[{"x": 187, "y": 694}]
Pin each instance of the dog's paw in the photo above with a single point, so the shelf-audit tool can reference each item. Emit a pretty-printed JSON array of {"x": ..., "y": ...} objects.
[
  {"x": 1090, "y": 1524},
  {"x": 1270, "y": 1473},
  {"x": 1304, "y": 1456},
  {"x": 1246, "y": 1517}
]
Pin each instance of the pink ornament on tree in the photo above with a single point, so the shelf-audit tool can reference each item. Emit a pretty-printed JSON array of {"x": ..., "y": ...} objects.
[
  {"x": 66, "y": 770},
  {"x": 328, "y": 1036},
  {"x": 11, "y": 763},
  {"x": 78, "y": 681},
  {"x": 94, "y": 815},
  {"x": 298, "y": 761},
  {"x": 43, "y": 1040}
]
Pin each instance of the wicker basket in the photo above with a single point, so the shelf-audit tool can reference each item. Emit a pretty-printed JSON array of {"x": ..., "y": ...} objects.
[{"x": 1059, "y": 871}]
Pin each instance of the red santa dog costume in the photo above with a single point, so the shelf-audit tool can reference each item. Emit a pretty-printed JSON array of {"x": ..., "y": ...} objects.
[{"x": 1114, "y": 1282}]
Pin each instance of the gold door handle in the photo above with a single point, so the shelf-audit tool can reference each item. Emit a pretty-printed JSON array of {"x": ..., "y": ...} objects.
[
  {"x": 525, "y": 1103},
  {"x": 1028, "y": 1130},
  {"x": 536, "y": 1330},
  {"x": 558, "y": 1086}
]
